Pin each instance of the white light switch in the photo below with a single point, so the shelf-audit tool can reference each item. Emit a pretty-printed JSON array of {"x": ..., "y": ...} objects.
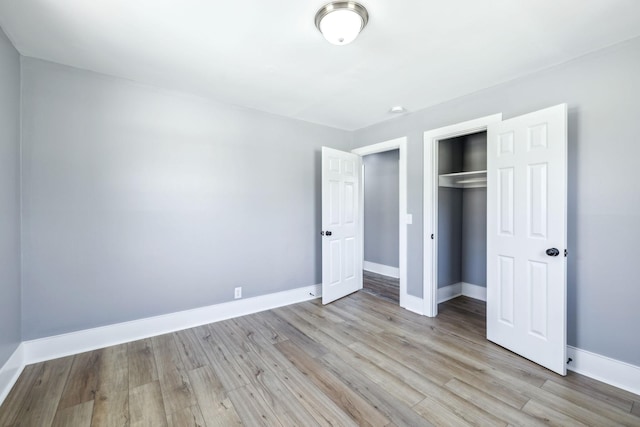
[{"x": 409, "y": 219}]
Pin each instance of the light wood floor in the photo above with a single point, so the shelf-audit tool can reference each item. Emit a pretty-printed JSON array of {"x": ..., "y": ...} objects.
[
  {"x": 381, "y": 286},
  {"x": 358, "y": 361}
]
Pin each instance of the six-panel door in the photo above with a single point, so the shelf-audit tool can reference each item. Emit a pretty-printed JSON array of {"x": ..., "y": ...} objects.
[
  {"x": 526, "y": 235},
  {"x": 341, "y": 239}
]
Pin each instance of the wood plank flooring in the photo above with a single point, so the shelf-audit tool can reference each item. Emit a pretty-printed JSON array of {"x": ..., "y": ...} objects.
[
  {"x": 359, "y": 361},
  {"x": 381, "y": 286}
]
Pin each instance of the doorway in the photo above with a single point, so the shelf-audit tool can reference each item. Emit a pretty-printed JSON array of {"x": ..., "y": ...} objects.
[
  {"x": 461, "y": 216},
  {"x": 380, "y": 184},
  {"x": 398, "y": 146},
  {"x": 446, "y": 284}
]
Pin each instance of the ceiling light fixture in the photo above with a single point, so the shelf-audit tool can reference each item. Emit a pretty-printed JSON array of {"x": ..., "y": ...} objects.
[{"x": 340, "y": 22}]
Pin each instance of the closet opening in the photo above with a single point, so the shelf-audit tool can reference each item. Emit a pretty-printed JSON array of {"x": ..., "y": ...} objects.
[{"x": 461, "y": 218}]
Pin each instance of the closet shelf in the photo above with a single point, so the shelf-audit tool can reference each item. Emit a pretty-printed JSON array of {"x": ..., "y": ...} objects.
[{"x": 473, "y": 179}]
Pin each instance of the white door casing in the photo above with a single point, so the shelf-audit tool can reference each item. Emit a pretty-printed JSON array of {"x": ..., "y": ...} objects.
[
  {"x": 406, "y": 301},
  {"x": 430, "y": 199},
  {"x": 526, "y": 216},
  {"x": 342, "y": 234}
]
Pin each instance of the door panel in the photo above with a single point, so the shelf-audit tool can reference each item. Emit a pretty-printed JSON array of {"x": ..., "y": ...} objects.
[
  {"x": 342, "y": 239},
  {"x": 335, "y": 262},
  {"x": 537, "y": 201},
  {"x": 526, "y": 211},
  {"x": 505, "y": 289},
  {"x": 505, "y": 201},
  {"x": 537, "y": 286}
]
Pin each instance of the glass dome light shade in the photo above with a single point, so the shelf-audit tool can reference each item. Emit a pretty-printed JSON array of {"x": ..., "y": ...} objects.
[{"x": 341, "y": 26}]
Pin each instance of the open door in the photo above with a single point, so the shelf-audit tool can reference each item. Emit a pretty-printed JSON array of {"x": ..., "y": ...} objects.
[
  {"x": 341, "y": 230},
  {"x": 526, "y": 236}
]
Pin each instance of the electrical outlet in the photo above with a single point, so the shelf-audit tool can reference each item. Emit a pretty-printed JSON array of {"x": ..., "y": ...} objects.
[{"x": 238, "y": 293}]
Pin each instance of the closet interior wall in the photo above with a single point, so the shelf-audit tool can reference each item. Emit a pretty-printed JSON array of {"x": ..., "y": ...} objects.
[{"x": 462, "y": 214}]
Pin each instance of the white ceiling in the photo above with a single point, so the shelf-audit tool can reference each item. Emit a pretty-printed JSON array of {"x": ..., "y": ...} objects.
[{"x": 269, "y": 55}]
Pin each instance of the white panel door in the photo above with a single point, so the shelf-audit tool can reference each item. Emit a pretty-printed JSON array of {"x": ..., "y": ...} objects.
[
  {"x": 526, "y": 236},
  {"x": 341, "y": 231}
]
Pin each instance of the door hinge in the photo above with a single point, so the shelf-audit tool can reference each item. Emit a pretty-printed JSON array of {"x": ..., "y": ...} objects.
[{"x": 565, "y": 253}]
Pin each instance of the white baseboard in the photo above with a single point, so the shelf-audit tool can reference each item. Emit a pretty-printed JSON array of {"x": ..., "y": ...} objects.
[
  {"x": 614, "y": 372},
  {"x": 10, "y": 371},
  {"x": 48, "y": 348},
  {"x": 462, "y": 288},
  {"x": 611, "y": 371},
  {"x": 449, "y": 292},
  {"x": 474, "y": 291},
  {"x": 413, "y": 304},
  {"x": 385, "y": 270}
]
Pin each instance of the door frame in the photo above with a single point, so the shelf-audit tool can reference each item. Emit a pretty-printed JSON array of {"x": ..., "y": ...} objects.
[
  {"x": 430, "y": 200},
  {"x": 404, "y": 219}
]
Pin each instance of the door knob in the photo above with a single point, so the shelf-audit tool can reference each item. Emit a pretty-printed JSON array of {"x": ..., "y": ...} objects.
[
  {"x": 553, "y": 252},
  {"x": 325, "y": 233}
]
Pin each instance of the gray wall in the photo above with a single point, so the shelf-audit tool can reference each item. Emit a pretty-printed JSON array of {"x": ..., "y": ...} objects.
[
  {"x": 474, "y": 152},
  {"x": 604, "y": 207},
  {"x": 450, "y": 154},
  {"x": 462, "y": 236},
  {"x": 9, "y": 199},
  {"x": 449, "y": 236},
  {"x": 474, "y": 236},
  {"x": 381, "y": 215},
  {"x": 138, "y": 201},
  {"x": 474, "y": 213}
]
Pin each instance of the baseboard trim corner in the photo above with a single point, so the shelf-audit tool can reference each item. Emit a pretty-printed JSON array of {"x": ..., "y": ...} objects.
[
  {"x": 53, "y": 347},
  {"x": 458, "y": 289},
  {"x": 611, "y": 371},
  {"x": 449, "y": 292},
  {"x": 385, "y": 270},
  {"x": 10, "y": 371},
  {"x": 474, "y": 291}
]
